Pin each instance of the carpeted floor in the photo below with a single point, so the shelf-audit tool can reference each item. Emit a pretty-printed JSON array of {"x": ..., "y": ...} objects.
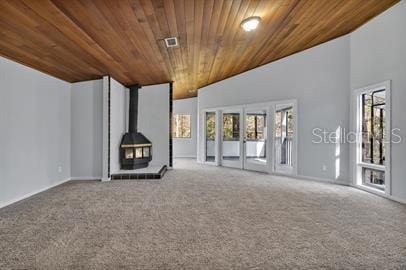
[{"x": 203, "y": 217}]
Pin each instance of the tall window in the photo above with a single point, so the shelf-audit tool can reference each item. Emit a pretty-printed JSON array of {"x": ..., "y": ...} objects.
[
  {"x": 231, "y": 125},
  {"x": 181, "y": 126},
  {"x": 210, "y": 136},
  {"x": 255, "y": 127},
  {"x": 372, "y": 113},
  {"x": 231, "y": 136},
  {"x": 284, "y": 128},
  {"x": 373, "y": 127},
  {"x": 255, "y": 136},
  {"x": 210, "y": 126}
]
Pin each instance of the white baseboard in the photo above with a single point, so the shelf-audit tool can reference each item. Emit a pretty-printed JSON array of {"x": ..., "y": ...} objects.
[
  {"x": 319, "y": 179},
  {"x": 76, "y": 178},
  {"x": 381, "y": 194},
  {"x": 4, "y": 204},
  {"x": 326, "y": 180},
  {"x": 397, "y": 199}
]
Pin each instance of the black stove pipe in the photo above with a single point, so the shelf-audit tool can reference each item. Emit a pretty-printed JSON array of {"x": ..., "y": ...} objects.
[{"x": 133, "y": 114}]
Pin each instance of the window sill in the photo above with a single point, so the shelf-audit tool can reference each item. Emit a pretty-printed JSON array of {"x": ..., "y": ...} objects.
[
  {"x": 372, "y": 166},
  {"x": 370, "y": 189}
]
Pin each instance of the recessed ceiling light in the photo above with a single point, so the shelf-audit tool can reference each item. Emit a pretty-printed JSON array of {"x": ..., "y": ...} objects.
[
  {"x": 171, "y": 42},
  {"x": 250, "y": 23}
]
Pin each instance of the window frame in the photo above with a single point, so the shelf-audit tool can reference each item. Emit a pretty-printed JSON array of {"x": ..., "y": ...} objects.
[
  {"x": 286, "y": 112},
  {"x": 174, "y": 126},
  {"x": 256, "y": 115},
  {"x": 285, "y": 106},
  {"x": 270, "y": 107},
  {"x": 206, "y": 140},
  {"x": 235, "y": 127},
  {"x": 358, "y": 163},
  {"x": 372, "y": 114}
]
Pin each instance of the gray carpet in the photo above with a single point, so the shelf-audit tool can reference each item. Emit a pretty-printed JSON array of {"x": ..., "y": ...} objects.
[{"x": 203, "y": 217}]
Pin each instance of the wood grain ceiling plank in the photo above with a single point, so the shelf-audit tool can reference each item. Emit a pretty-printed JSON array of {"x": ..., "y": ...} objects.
[
  {"x": 176, "y": 53},
  {"x": 134, "y": 30},
  {"x": 282, "y": 30},
  {"x": 208, "y": 14},
  {"x": 129, "y": 37},
  {"x": 221, "y": 55},
  {"x": 91, "y": 17},
  {"x": 78, "y": 13},
  {"x": 248, "y": 38},
  {"x": 233, "y": 41},
  {"x": 153, "y": 20},
  {"x": 83, "y": 39},
  {"x": 13, "y": 40},
  {"x": 359, "y": 15},
  {"x": 65, "y": 25},
  {"x": 40, "y": 39},
  {"x": 271, "y": 23},
  {"x": 38, "y": 10},
  {"x": 9, "y": 39},
  {"x": 181, "y": 88},
  {"x": 151, "y": 30},
  {"x": 302, "y": 28},
  {"x": 186, "y": 71},
  {"x": 241, "y": 38},
  {"x": 197, "y": 34},
  {"x": 215, "y": 36},
  {"x": 25, "y": 57},
  {"x": 269, "y": 32},
  {"x": 220, "y": 33},
  {"x": 332, "y": 14}
]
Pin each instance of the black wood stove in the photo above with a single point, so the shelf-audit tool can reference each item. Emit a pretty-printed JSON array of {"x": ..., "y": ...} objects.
[{"x": 135, "y": 148}]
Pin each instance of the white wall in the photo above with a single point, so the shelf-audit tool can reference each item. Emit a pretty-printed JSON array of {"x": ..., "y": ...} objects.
[
  {"x": 378, "y": 53},
  {"x": 186, "y": 147},
  {"x": 117, "y": 122},
  {"x": 35, "y": 135},
  {"x": 319, "y": 79},
  {"x": 153, "y": 120},
  {"x": 87, "y": 129}
]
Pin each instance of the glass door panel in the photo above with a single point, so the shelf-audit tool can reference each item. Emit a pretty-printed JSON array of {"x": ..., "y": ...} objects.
[
  {"x": 210, "y": 143},
  {"x": 231, "y": 139},
  {"x": 256, "y": 139},
  {"x": 284, "y": 136}
]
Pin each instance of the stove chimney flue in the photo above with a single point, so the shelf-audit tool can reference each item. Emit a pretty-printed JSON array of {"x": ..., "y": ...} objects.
[
  {"x": 133, "y": 112},
  {"x": 135, "y": 148}
]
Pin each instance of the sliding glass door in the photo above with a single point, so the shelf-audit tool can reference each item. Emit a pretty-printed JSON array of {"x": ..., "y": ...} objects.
[
  {"x": 284, "y": 146},
  {"x": 210, "y": 136},
  {"x": 231, "y": 146},
  {"x": 255, "y": 139}
]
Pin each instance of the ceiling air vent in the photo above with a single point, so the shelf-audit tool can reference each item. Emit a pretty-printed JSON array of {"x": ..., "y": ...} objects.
[{"x": 171, "y": 42}]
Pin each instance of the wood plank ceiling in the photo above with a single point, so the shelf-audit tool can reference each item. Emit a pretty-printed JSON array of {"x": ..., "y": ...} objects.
[{"x": 78, "y": 40}]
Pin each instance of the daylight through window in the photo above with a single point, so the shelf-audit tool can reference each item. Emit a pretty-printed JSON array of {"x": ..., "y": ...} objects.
[
  {"x": 181, "y": 126},
  {"x": 373, "y": 125}
]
